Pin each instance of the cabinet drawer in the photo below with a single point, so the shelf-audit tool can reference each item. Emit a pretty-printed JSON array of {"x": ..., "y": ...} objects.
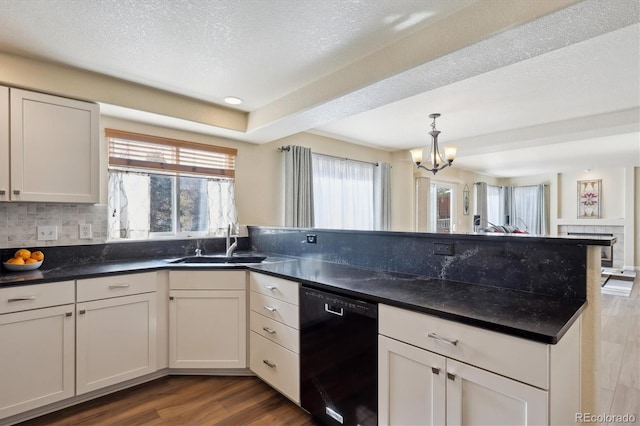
[
  {"x": 275, "y": 309},
  {"x": 208, "y": 280},
  {"x": 115, "y": 286},
  {"x": 276, "y": 332},
  {"x": 520, "y": 359},
  {"x": 275, "y": 287},
  {"x": 275, "y": 365},
  {"x": 22, "y": 298}
]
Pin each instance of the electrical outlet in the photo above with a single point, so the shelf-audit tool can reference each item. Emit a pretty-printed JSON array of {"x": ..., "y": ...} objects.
[
  {"x": 47, "y": 233},
  {"x": 443, "y": 249},
  {"x": 84, "y": 229},
  {"x": 312, "y": 238}
]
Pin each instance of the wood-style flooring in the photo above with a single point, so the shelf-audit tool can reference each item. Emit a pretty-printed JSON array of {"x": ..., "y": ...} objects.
[
  {"x": 212, "y": 400},
  {"x": 185, "y": 400},
  {"x": 620, "y": 354}
]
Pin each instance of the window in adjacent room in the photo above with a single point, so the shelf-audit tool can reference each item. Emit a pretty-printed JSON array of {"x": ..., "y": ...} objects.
[
  {"x": 161, "y": 187},
  {"x": 442, "y": 207}
]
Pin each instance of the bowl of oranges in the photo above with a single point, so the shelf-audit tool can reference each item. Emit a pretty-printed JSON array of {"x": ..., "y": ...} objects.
[{"x": 25, "y": 260}]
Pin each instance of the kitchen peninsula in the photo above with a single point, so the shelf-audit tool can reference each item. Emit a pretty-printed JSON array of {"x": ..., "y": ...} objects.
[{"x": 531, "y": 288}]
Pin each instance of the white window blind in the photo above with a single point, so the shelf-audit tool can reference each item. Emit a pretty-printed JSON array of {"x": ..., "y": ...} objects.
[{"x": 134, "y": 150}]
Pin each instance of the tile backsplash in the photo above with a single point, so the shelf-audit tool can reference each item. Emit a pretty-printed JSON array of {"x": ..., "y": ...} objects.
[{"x": 19, "y": 223}]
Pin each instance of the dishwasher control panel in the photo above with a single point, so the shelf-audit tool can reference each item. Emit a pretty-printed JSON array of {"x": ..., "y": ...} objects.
[{"x": 337, "y": 303}]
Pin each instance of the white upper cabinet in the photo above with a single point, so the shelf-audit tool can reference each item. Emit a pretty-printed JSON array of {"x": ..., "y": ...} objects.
[{"x": 54, "y": 149}]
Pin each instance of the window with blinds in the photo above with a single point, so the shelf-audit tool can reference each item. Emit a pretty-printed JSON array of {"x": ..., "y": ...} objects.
[
  {"x": 160, "y": 187},
  {"x": 138, "y": 151}
]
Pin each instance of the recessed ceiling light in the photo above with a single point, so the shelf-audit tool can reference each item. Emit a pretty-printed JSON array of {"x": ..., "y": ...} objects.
[{"x": 232, "y": 100}]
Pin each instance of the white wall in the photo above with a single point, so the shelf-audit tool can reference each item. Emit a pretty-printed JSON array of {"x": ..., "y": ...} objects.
[{"x": 612, "y": 196}]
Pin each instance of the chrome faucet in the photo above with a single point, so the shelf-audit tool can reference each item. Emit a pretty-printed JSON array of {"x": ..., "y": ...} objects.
[
  {"x": 198, "y": 252},
  {"x": 231, "y": 248}
]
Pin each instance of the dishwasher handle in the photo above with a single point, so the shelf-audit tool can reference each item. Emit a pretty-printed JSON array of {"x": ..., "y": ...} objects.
[{"x": 331, "y": 310}]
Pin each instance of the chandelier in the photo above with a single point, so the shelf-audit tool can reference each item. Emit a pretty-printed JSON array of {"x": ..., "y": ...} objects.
[{"x": 438, "y": 159}]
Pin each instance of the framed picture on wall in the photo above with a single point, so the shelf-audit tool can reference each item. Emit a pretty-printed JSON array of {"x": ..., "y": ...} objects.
[
  {"x": 465, "y": 200},
  {"x": 589, "y": 199}
]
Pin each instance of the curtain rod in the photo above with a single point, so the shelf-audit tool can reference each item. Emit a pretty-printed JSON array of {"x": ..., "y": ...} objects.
[
  {"x": 288, "y": 148},
  {"x": 346, "y": 159}
]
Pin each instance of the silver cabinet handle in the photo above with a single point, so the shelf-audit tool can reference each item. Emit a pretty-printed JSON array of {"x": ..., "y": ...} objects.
[
  {"x": 443, "y": 339},
  {"x": 269, "y": 363},
  {"x": 270, "y": 287},
  {"x": 268, "y": 330},
  {"x": 16, "y": 191},
  {"x": 270, "y": 309},
  {"x": 119, "y": 286},
  {"x": 19, "y": 299}
]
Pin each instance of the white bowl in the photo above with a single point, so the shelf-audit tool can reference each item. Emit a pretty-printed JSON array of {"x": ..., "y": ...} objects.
[{"x": 27, "y": 267}]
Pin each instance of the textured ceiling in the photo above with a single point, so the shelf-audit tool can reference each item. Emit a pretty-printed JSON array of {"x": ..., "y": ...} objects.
[{"x": 509, "y": 85}]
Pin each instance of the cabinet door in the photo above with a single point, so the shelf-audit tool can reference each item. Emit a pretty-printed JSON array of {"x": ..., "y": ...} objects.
[
  {"x": 4, "y": 144},
  {"x": 411, "y": 385},
  {"x": 36, "y": 358},
  {"x": 478, "y": 397},
  {"x": 116, "y": 340},
  {"x": 207, "y": 329},
  {"x": 54, "y": 149}
]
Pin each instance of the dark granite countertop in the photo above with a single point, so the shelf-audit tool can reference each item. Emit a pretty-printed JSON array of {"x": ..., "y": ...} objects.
[{"x": 529, "y": 315}]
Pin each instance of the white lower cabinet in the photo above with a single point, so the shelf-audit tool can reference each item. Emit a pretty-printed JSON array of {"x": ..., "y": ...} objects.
[
  {"x": 479, "y": 397},
  {"x": 36, "y": 346},
  {"x": 411, "y": 384},
  {"x": 116, "y": 333},
  {"x": 426, "y": 374},
  {"x": 207, "y": 319}
]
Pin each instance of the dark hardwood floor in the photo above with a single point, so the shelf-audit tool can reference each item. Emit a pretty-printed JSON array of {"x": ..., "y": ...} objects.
[{"x": 185, "y": 400}]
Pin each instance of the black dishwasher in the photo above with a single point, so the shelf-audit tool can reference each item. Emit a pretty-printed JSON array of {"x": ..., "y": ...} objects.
[{"x": 338, "y": 358}]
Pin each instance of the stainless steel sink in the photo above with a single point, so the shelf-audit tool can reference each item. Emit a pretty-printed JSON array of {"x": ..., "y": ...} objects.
[{"x": 237, "y": 258}]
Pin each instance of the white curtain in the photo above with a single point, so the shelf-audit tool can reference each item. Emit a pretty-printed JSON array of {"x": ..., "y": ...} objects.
[
  {"x": 382, "y": 196},
  {"x": 495, "y": 206},
  {"x": 482, "y": 204},
  {"x": 129, "y": 205},
  {"x": 299, "y": 197},
  {"x": 222, "y": 205},
  {"x": 528, "y": 208},
  {"x": 343, "y": 193}
]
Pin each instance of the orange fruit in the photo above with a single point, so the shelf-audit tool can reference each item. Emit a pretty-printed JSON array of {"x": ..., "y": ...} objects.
[
  {"x": 37, "y": 255},
  {"x": 16, "y": 261},
  {"x": 28, "y": 261},
  {"x": 22, "y": 253}
]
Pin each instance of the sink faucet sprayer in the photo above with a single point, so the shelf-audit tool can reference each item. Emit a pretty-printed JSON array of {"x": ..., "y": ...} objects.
[{"x": 231, "y": 248}]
